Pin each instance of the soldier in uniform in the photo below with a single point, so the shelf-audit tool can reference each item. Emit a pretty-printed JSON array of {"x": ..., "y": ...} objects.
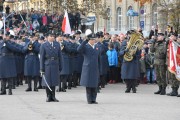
[
  {"x": 171, "y": 77},
  {"x": 103, "y": 59},
  {"x": 79, "y": 58},
  {"x": 7, "y": 63},
  {"x": 50, "y": 66},
  {"x": 65, "y": 72},
  {"x": 130, "y": 71},
  {"x": 90, "y": 70},
  {"x": 159, "y": 48},
  {"x": 74, "y": 63},
  {"x": 32, "y": 65}
]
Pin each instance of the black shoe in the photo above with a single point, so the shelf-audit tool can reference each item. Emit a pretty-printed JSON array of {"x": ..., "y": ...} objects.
[
  {"x": 102, "y": 86},
  {"x": 58, "y": 90},
  {"x": 10, "y": 92},
  {"x": 21, "y": 83},
  {"x": 159, "y": 91},
  {"x": 134, "y": 90},
  {"x": 39, "y": 87},
  {"x": 35, "y": 89},
  {"x": 89, "y": 102},
  {"x": 127, "y": 90},
  {"x": 54, "y": 99},
  {"x": 3, "y": 93},
  {"x": 94, "y": 102},
  {"x": 178, "y": 95},
  {"x": 28, "y": 89},
  {"x": 14, "y": 87},
  {"x": 63, "y": 90},
  {"x": 69, "y": 88}
]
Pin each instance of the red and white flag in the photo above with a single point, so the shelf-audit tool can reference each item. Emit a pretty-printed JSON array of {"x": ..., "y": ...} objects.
[
  {"x": 66, "y": 28},
  {"x": 174, "y": 59}
]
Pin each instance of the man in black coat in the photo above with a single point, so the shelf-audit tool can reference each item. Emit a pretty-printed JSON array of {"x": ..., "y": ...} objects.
[
  {"x": 50, "y": 66},
  {"x": 90, "y": 69}
]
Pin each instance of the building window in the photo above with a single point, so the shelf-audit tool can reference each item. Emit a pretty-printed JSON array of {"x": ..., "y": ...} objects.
[
  {"x": 130, "y": 20},
  {"x": 119, "y": 19},
  {"x": 109, "y": 19},
  {"x": 154, "y": 14}
]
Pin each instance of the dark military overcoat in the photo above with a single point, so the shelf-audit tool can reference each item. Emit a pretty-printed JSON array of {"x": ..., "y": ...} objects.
[
  {"x": 51, "y": 63},
  {"x": 90, "y": 68},
  {"x": 129, "y": 70},
  {"x": 31, "y": 62}
]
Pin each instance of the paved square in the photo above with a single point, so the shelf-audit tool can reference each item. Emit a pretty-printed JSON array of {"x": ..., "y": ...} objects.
[{"x": 114, "y": 104}]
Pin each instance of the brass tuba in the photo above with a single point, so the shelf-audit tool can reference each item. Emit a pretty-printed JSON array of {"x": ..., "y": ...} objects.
[{"x": 135, "y": 43}]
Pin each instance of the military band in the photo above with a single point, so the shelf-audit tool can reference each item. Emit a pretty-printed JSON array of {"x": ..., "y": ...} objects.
[{"x": 68, "y": 60}]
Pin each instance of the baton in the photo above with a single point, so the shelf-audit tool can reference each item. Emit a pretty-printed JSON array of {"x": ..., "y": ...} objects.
[{"x": 46, "y": 82}]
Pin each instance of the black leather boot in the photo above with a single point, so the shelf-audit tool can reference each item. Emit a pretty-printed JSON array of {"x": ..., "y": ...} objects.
[
  {"x": 3, "y": 87},
  {"x": 29, "y": 85},
  {"x": 10, "y": 90},
  {"x": 134, "y": 83},
  {"x": 53, "y": 95},
  {"x": 48, "y": 95},
  {"x": 163, "y": 91},
  {"x": 128, "y": 86},
  {"x": 35, "y": 86},
  {"x": 159, "y": 91},
  {"x": 174, "y": 92}
]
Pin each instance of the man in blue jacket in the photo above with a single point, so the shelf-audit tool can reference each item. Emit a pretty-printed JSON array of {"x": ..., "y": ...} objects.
[
  {"x": 31, "y": 63},
  {"x": 50, "y": 66},
  {"x": 90, "y": 70}
]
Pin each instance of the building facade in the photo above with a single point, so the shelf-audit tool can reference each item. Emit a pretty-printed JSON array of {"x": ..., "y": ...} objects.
[{"x": 119, "y": 22}]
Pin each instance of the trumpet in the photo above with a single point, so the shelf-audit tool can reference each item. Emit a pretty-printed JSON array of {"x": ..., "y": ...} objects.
[{"x": 30, "y": 46}]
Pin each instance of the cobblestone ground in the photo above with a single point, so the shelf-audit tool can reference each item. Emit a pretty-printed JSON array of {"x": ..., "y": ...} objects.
[{"x": 114, "y": 104}]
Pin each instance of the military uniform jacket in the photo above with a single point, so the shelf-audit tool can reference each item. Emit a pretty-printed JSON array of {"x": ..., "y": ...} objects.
[
  {"x": 51, "y": 62},
  {"x": 103, "y": 59},
  {"x": 90, "y": 70},
  {"x": 7, "y": 59},
  {"x": 31, "y": 62},
  {"x": 66, "y": 70},
  {"x": 160, "y": 50},
  {"x": 74, "y": 58},
  {"x": 130, "y": 69}
]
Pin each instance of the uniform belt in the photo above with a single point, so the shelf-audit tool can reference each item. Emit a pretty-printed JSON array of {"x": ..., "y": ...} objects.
[
  {"x": 6, "y": 54},
  {"x": 52, "y": 58},
  {"x": 32, "y": 54}
]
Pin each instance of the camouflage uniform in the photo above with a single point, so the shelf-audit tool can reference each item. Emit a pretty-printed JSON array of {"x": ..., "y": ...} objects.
[
  {"x": 159, "y": 49},
  {"x": 173, "y": 80}
]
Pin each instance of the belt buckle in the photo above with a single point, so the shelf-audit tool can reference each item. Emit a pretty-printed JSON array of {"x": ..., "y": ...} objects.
[{"x": 52, "y": 58}]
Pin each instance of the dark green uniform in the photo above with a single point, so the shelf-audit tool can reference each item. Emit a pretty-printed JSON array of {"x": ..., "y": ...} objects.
[{"x": 159, "y": 48}]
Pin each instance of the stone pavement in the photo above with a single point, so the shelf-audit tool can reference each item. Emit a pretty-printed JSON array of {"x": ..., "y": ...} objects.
[{"x": 114, "y": 104}]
